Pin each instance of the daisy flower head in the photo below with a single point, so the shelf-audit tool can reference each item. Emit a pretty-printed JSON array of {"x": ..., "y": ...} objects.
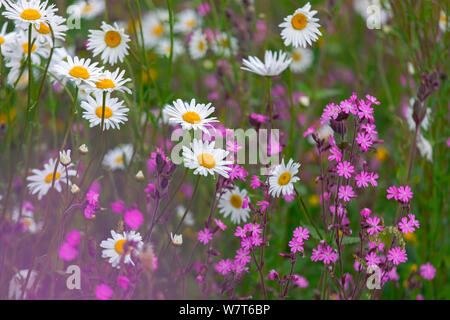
[
  {"x": 154, "y": 28},
  {"x": 205, "y": 159},
  {"x": 17, "y": 47},
  {"x": 110, "y": 41},
  {"x": 26, "y": 12},
  {"x": 80, "y": 71},
  {"x": 191, "y": 115},
  {"x": 283, "y": 177},
  {"x": 41, "y": 181},
  {"x": 302, "y": 59},
  {"x": 53, "y": 22},
  {"x": 3, "y": 35},
  {"x": 87, "y": 9},
  {"x": 118, "y": 157},
  {"x": 164, "y": 48},
  {"x": 119, "y": 248},
  {"x": 113, "y": 112},
  {"x": 231, "y": 203},
  {"x": 110, "y": 81},
  {"x": 198, "y": 45},
  {"x": 300, "y": 28},
  {"x": 225, "y": 45},
  {"x": 188, "y": 20},
  {"x": 274, "y": 64}
]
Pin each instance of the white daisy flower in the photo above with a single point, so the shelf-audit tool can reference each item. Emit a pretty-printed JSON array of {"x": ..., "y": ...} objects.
[
  {"x": 198, "y": 45},
  {"x": 17, "y": 283},
  {"x": 366, "y": 9},
  {"x": 205, "y": 159},
  {"x": 114, "y": 111},
  {"x": 111, "y": 42},
  {"x": 188, "y": 219},
  {"x": 164, "y": 48},
  {"x": 79, "y": 70},
  {"x": 443, "y": 23},
  {"x": 191, "y": 116},
  {"x": 231, "y": 203},
  {"x": 300, "y": 28},
  {"x": 188, "y": 20},
  {"x": 41, "y": 180},
  {"x": 3, "y": 36},
  {"x": 26, "y": 12},
  {"x": 87, "y": 9},
  {"x": 274, "y": 64},
  {"x": 15, "y": 74},
  {"x": 111, "y": 81},
  {"x": 153, "y": 29},
  {"x": 282, "y": 178},
  {"x": 302, "y": 59},
  {"x": 119, "y": 248},
  {"x": 16, "y": 49},
  {"x": 119, "y": 156},
  {"x": 43, "y": 33},
  {"x": 27, "y": 219},
  {"x": 224, "y": 45},
  {"x": 59, "y": 56}
]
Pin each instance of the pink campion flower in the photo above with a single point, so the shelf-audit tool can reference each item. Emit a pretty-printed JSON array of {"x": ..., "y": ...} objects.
[
  {"x": 92, "y": 198},
  {"x": 347, "y": 107},
  {"x": 328, "y": 255},
  {"x": 89, "y": 212},
  {"x": 73, "y": 238},
  {"x": 203, "y": 9},
  {"x": 373, "y": 179},
  {"x": 392, "y": 192},
  {"x": 362, "y": 179},
  {"x": 242, "y": 256},
  {"x": 264, "y": 205},
  {"x": 67, "y": 252},
  {"x": 315, "y": 256},
  {"x": 364, "y": 140},
  {"x": 220, "y": 224},
  {"x": 123, "y": 282},
  {"x": 289, "y": 197},
  {"x": 118, "y": 206},
  {"x": 133, "y": 218},
  {"x": 255, "y": 183},
  {"x": 331, "y": 111},
  {"x": 238, "y": 172},
  {"x": 427, "y": 271},
  {"x": 296, "y": 245},
  {"x": 232, "y": 146},
  {"x": 406, "y": 226},
  {"x": 404, "y": 193},
  {"x": 259, "y": 118},
  {"x": 374, "y": 227},
  {"x": 365, "y": 111},
  {"x": 370, "y": 129},
  {"x": 273, "y": 275},
  {"x": 300, "y": 281},
  {"x": 308, "y": 131},
  {"x": 239, "y": 268},
  {"x": 302, "y": 233},
  {"x": 335, "y": 154},
  {"x": 150, "y": 189},
  {"x": 256, "y": 240},
  {"x": 103, "y": 292},
  {"x": 346, "y": 192},
  {"x": 372, "y": 99},
  {"x": 345, "y": 169},
  {"x": 397, "y": 255},
  {"x": 224, "y": 266},
  {"x": 254, "y": 228},
  {"x": 372, "y": 259},
  {"x": 205, "y": 236},
  {"x": 245, "y": 203},
  {"x": 246, "y": 243},
  {"x": 365, "y": 213},
  {"x": 240, "y": 232}
]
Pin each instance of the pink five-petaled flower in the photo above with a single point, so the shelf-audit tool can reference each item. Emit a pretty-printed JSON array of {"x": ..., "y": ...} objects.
[
  {"x": 254, "y": 228},
  {"x": 300, "y": 281},
  {"x": 240, "y": 232},
  {"x": 308, "y": 132},
  {"x": 362, "y": 179},
  {"x": 404, "y": 193},
  {"x": 256, "y": 240},
  {"x": 123, "y": 282},
  {"x": 232, "y": 146},
  {"x": 67, "y": 252},
  {"x": 133, "y": 218},
  {"x": 224, "y": 266},
  {"x": 205, "y": 236},
  {"x": 296, "y": 245},
  {"x": 331, "y": 110},
  {"x": 329, "y": 255},
  {"x": 254, "y": 182},
  {"x": 397, "y": 255},
  {"x": 345, "y": 169},
  {"x": 392, "y": 192},
  {"x": 372, "y": 99},
  {"x": 427, "y": 271},
  {"x": 103, "y": 292},
  {"x": 92, "y": 198},
  {"x": 365, "y": 111},
  {"x": 263, "y": 204},
  {"x": 374, "y": 227},
  {"x": 222, "y": 226},
  {"x": 372, "y": 259},
  {"x": 242, "y": 256},
  {"x": 335, "y": 154},
  {"x": 365, "y": 213},
  {"x": 346, "y": 192},
  {"x": 273, "y": 274},
  {"x": 408, "y": 225},
  {"x": 347, "y": 107},
  {"x": 118, "y": 206},
  {"x": 373, "y": 179},
  {"x": 364, "y": 140},
  {"x": 302, "y": 233}
]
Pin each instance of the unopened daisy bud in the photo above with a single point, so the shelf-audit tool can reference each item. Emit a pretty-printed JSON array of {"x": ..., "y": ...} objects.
[
  {"x": 74, "y": 189},
  {"x": 83, "y": 149},
  {"x": 64, "y": 157},
  {"x": 177, "y": 240},
  {"x": 411, "y": 70},
  {"x": 140, "y": 176},
  {"x": 304, "y": 101}
]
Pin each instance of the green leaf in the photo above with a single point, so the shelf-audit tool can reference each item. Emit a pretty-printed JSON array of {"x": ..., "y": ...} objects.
[{"x": 350, "y": 240}]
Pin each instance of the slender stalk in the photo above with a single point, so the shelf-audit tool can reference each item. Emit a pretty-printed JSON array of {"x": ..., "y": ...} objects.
[
  {"x": 269, "y": 100},
  {"x": 299, "y": 197}
]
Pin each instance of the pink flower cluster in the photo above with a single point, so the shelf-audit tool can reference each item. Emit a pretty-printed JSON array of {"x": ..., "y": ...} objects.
[
  {"x": 300, "y": 235},
  {"x": 401, "y": 194},
  {"x": 408, "y": 225},
  {"x": 68, "y": 250},
  {"x": 92, "y": 204},
  {"x": 324, "y": 253}
]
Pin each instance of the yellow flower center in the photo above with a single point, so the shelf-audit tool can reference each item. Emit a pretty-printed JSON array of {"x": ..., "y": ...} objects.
[
  {"x": 25, "y": 47},
  {"x": 49, "y": 177},
  {"x": 201, "y": 46},
  {"x": 30, "y": 14},
  {"x": 158, "y": 30},
  {"x": 2, "y": 40},
  {"x": 299, "y": 21},
  {"x": 236, "y": 201},
  {"x": 118, "y": 246},
  {"x": 284, "y": 179},
  {"x": 43, "y": 28},
  {"x": 113, "y": 38},
  {"x": 79, "y": 72},
  {"x": 191, "y": 23},
  {"x": 99, "y": 112},
  {"x": 26, "y": 222},
  {"x": 225, "y": 43},
  {"x": 105, "y": 84},
  {"x": 296, "y": 56},
  {"x": 87, "y": 8},
  {"x": 191, "y": 117},
  {"x": 206, "y": 160},
  {"x": 119, "y": 159}
]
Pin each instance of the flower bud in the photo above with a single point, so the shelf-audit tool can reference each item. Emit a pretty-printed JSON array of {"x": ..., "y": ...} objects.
[
  {"x": 83, "y": 149},
  {"x": 64, "y": 157},
  {"x": 140, "y": 176},
  {"x": 74, "y": 189}
]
